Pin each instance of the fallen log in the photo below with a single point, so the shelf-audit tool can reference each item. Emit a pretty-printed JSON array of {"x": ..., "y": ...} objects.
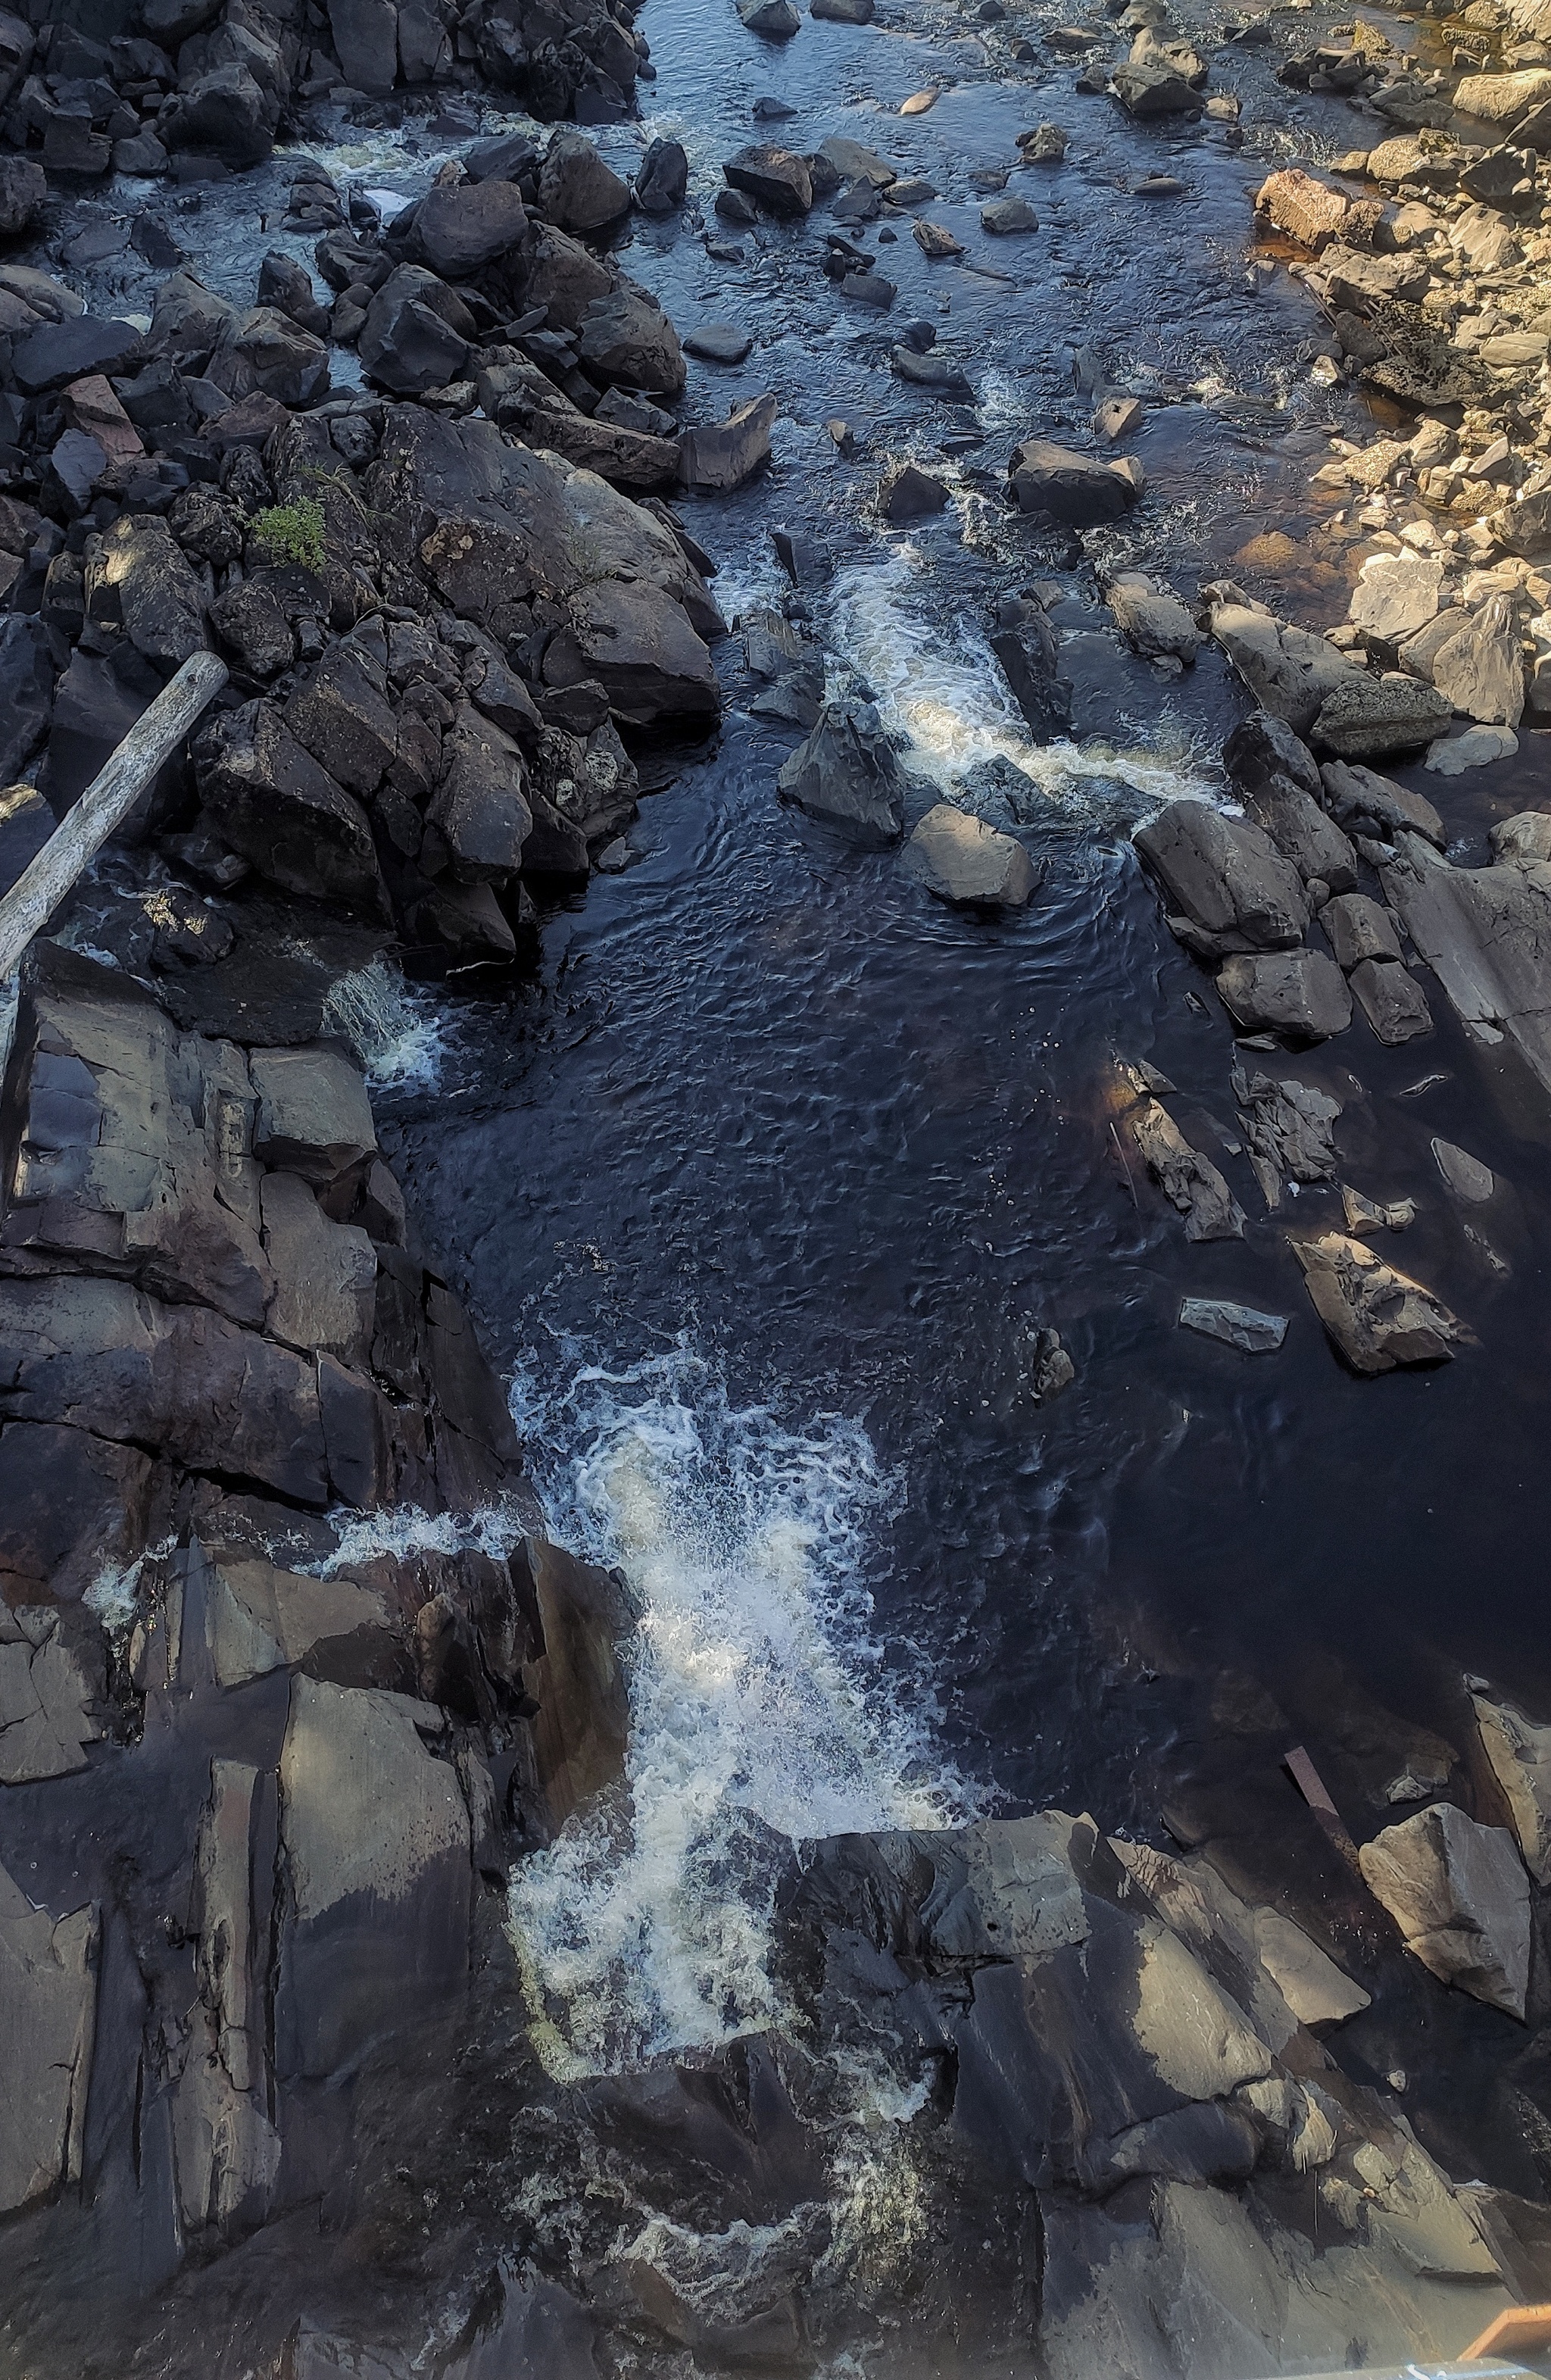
[{"x": 26, "y": 910}]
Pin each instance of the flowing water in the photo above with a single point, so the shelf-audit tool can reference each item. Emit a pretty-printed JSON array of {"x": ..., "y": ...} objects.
[{"x": 765, "y": 1187}]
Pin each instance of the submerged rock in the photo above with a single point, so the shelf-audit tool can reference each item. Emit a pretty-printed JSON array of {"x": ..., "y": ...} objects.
[{"x": 1236, "y": 1326}]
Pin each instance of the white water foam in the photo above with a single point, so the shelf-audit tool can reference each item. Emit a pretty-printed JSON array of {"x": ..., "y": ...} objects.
[
  {"x": 760, "y": 1708},
  {"x": 395, "y": 1032},
  {"x": 946, "y": 691}
]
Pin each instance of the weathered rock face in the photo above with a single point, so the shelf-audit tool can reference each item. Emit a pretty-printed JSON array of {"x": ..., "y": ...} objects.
[
  {"x": 1301, "y": 993},
  {"x": 1486, "y": 934},
  {"x": 1290, "y": 672},
  {"x": 1459, "y": 1894}
]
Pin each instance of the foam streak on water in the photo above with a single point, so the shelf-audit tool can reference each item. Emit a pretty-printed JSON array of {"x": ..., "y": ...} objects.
[{"x": 761, "y": 1711}]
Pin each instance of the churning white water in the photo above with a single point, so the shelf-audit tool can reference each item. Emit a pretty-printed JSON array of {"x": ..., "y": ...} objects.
[
  {"x": 946, "y": 691},
  {"x": 761, "y": 1709},
  {"x": 394, "y": 1030}
]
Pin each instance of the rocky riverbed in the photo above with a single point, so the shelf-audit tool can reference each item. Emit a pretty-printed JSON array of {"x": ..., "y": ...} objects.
[{"x": 860, "y": 521}]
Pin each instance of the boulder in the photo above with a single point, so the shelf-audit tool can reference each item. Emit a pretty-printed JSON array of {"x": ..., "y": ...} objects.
[
  {"x": 714, "y": 460},
  {"x": 961, "y": 858},
  {"x": 1237, "y": 1326},
  {"x": 457, "y": 231},
  {"x": 1486, "y": 934},
  {"x": 1480, "y": 669},
  {"x": 853, "y": 162},
  {"x": 27, "y": 680},
  {"x": 481, "y": 808},
  {"x": 271, "y": 801},
  {"x": 1188, "y": 1180},
  {"x": 847, "y": 774},
  {"x": 1305, "y": 834},
  {"x": 415, "y": 333},
  {"x": 1520, "y": 1754},
  {"x": 1366, "y": 717},
  {"x": 1459, "y": 1893},
  {"x": 1289, "y": 671},
  {"x": 1154, "y": 86},
  {"x": 1297, "y": 992},
  {"x": 224, "y": 114},
  {"x": 286, "y": 288},
  {"x": 1503, "y": 98},
  {"x": 1262, "y": 747},
  {"x": 187, "y": 320},
  {"x": 366, "y": 40},
  {"x": 775, "y": 178},
  {"x": 1392, "y": 1001},
  {"x": 1307, "y": 210},
  {"x": 314, "y": 1118},
  {"x": 375, "y": 1837},
  {"x": 94, "y": 707},
  {"x": 23, "y": 195},
  {"x": 141, "y": 572},
  {"x": 909, "y": 493},
  {"x": 48, "y": 1990},
  {"x": 1376, "y": 1317},
  {"x": 662, "y": 177},
  {"x": 643, "y": 650},
  {"x": 57, "y": 352},
  {"x": 775, "y": 21},
  {"x": 1357, "y": 928},
  {"x": 1228, "y": 887},
  {"x": 563, "y": 277},
  {"x": 1076, "y": 489},
  {"x": 627, "y": 337},
  {"x": 259, "y": 1618},
  {"x": 1369, "y": 804},
  {"x": 1024, "y": 644},
  {"x": 342, "y": 716},
  {"x": 1396, "y": 596},
  {"x": 1006, "y": 216},
  {"x": 1152, "y": 619},
  {"x": 576, "y": 189},
  {"x": 719, "y": 342},
  {"x": 250, "y": 622}
]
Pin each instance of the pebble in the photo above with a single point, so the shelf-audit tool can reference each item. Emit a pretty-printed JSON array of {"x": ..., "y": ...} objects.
[{"x": 718, "y": 343}]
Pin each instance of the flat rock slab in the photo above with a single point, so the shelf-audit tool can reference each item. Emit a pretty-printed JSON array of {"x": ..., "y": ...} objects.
[
  {"x": 1236, "y": 1326},
  {"x": 1476, "y": 748},
  {"x": 719, "y": 342}
]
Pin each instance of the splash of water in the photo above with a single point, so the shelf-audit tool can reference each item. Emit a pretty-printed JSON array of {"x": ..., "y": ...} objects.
[
  {"x": 760, "y": 1708},
  {"x": 947, "y": 693},
  {"x": 395, "y": 1032}
]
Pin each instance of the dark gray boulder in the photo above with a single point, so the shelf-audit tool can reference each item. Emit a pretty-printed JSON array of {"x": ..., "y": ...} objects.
[
  {"x": 1076, "y": 489},
  {"x": 26, "y": 676},
  {"x": 1226, "y": 886},
  {"x": 576, "y": 189},
  {"x": 776, "y": 178},
  {"x": 627, "y": 338},
  {"x": 662, "y": 181},
  {"x": 1301, "y": 993},
  {"x": 286, "y": 286},
  {"x": 457, "y": 232},
  {"x": 848, "y": 775},
  {"x": 1024, "y": 643},
  {"x": 269, "y": 800},
  {"x": 480, "y": 810},
  {"x": 57, "y": 352},
  {"x": 406, "y": 341}
]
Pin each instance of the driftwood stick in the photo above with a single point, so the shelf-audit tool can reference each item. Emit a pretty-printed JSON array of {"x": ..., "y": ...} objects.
[{"x": 26, "y": 910}]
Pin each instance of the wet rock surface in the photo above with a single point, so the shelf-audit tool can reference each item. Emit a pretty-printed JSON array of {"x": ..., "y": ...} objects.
[{"x": 268, "y": 1760}]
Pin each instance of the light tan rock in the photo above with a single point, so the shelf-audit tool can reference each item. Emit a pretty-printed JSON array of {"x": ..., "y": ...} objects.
[
  {"x": 1520, "y": 1752},
  {"x": 1459, "y": 1895},
  {"x": 1378, "y": 1317},
  {"x": 325, "y": 1274}
]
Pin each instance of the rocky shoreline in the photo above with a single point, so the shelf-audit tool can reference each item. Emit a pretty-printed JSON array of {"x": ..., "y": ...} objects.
[{"x": 293, "y": 1678}]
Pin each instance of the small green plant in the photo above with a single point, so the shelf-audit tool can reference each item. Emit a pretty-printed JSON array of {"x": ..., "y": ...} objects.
[{"x": 293, "y": 533}]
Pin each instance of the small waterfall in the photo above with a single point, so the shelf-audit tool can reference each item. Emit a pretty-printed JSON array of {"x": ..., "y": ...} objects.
[
  {"x": 395, "y": 1032},
  {"x": 762, "y": 1710}
]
